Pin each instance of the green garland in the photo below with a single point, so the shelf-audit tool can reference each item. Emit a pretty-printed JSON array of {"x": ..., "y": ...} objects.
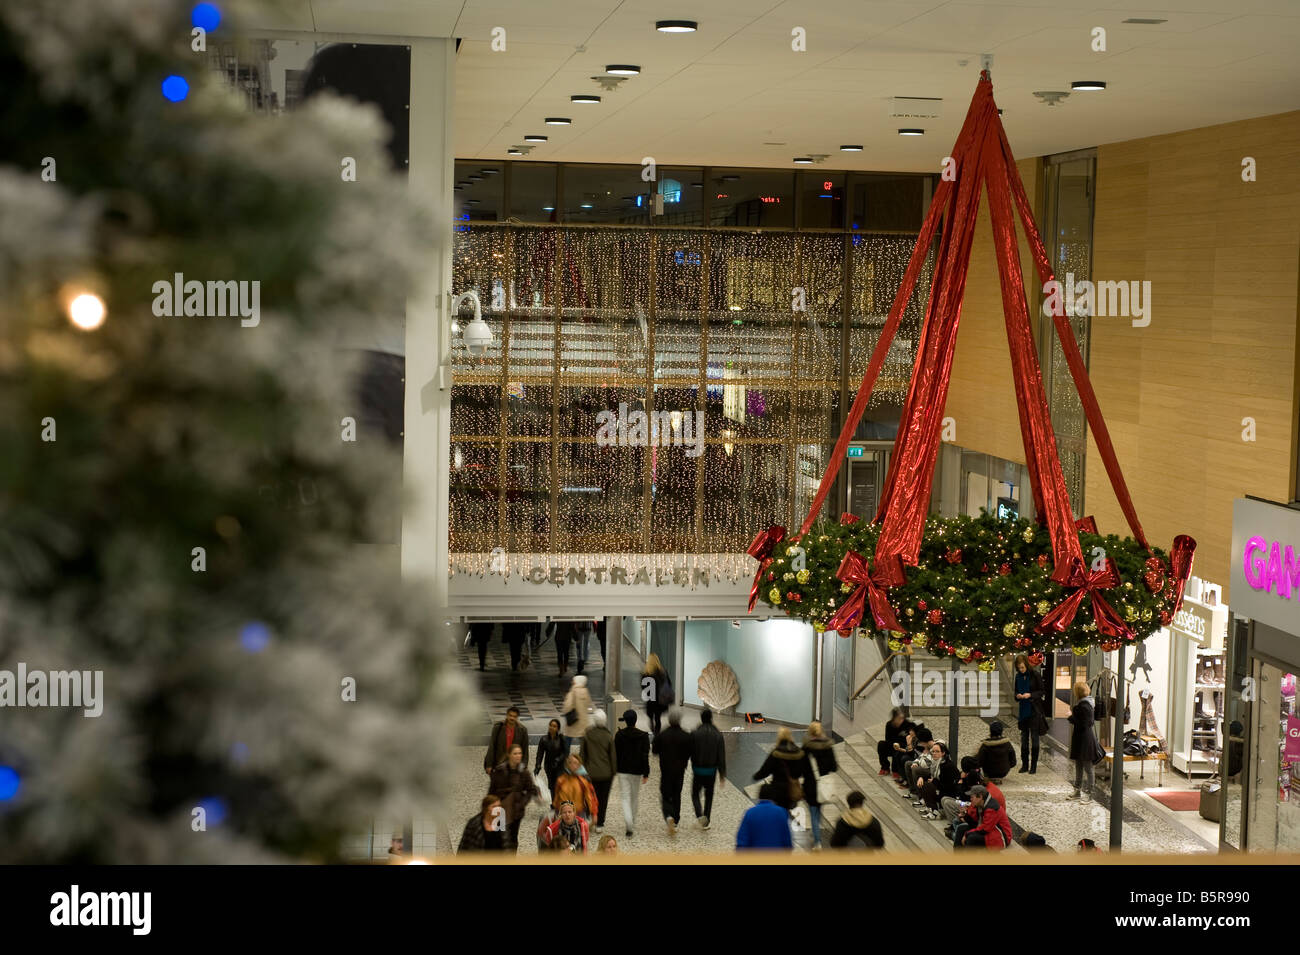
[{"x": 980, "y": 588}]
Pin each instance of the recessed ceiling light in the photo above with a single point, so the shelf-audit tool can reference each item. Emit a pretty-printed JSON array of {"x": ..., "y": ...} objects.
[
  {"x": 462, "y": 185},
  {"x": 471, "y": 202},
  {"x": 676, "y": 26},
  {"x": 586, "y": 205},
  {"x": 731, "y": 178},
  {"x": 803, "y": 160},
  {"x": 1088, "y": 85},
  {"x": 697, "y": 185},
  {"x": 490, "y": 172},
  {"x": 514, "y": 152},
  {"x": 850, "y": 149},
  {"x": 557, "y": 121},
  {"x": 534, "y": 138},
  {"x": 584, "y": 98},
  {"x": 474, "y": 178},
  {"x": 911, "y": 132},
  {"x": 1147, "y": 20},
  {"x": 548, "y": 208},
  {"x": 623, "y": 69}
]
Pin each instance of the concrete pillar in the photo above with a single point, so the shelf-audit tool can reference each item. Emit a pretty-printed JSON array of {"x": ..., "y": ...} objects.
[{"x": 428, "y": 383}]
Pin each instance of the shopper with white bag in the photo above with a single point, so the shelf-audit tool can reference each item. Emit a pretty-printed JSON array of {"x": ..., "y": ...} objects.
[{"x": 819, "y": 786}]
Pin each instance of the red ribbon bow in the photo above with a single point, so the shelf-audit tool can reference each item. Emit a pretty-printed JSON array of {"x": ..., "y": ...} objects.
[
  {"x": 1090, "y": 584},
  {"x": 761, "y": 548},
  {"x": 1180, "y": 566},
  {"x": 870, "y": 589},
  {"x": 848, "y": 520}
]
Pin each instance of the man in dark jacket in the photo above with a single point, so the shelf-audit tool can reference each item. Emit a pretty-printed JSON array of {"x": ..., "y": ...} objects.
[
  {"x": 709, "y": 764},
  {"x": 632, "y": 752},
  {"x": 896, "y": 731},
  {"x": 992, "y": 827},
  {"x": 673, "y": 746},
  {"x": 996, "y": 755},
  {"x": 505, "y": 734},
  {"x": 857, "y": 828}
]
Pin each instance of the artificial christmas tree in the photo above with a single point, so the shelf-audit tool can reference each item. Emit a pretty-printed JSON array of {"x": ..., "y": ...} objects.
[{"x": 181, "y": 506}]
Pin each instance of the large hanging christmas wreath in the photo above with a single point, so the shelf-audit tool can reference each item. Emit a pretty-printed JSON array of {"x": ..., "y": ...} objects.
[{"x": 981, "y": 587}]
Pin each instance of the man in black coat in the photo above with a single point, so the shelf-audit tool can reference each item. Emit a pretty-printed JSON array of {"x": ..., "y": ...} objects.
[
  {"x": 674, "y": 748},
  {"x": 632, "y": 753},
  {"x": 709, "y": 764},
  {"x": 509, "y": 732}
]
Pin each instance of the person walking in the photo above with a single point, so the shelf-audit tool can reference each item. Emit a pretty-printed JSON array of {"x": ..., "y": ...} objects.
[
  {"x": 513, "y": 784},
  {"x": 600, "y": 638},
  {"x": 514, "y": 634},
  {"x": 996, "y": 755},
  {"x": 563, "y": 632},
  {"x": 479, "y": 635},
  {"x": 1031, "y": 717},
  {"x": 673, "y": 746},
  {"x": 1084, "y": 748},
  {"x": 486, "y": 830},
  {"x": 505, "y": 734},
  {"x": 576, "y": 709},
  {"x": 766, "y": 824},
  {"x": 574, "y": 786},
  {"x": 598, "y": 755},
  {"x": 708, "y": 766},
  {"x": 896, "y": 731},
  {"x": 655, "y": 682},
  {"x": 583, "y": 631},
  {"x": 632, "y": 751},
  {"x": 819, "y": 786},
  {"x": 552, "y": 749},
  {"x": 857, "y": 828},
  {"x": 785, "y": 766}
]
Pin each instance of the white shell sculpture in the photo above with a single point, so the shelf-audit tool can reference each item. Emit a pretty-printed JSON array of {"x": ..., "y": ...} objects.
[{"x": 718, "y": 687}]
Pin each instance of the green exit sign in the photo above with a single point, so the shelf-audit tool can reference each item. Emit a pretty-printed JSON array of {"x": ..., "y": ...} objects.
[{"x": 855, "y": 452}]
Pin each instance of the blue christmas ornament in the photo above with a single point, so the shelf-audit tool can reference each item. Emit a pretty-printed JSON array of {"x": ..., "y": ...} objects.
[
  {"x": 9, "y": 781},
  {"x": 206, "y": 16},
  {"x": 214, "y": 809},
  {"x": 175, "y": 88},
  {"x": 255, "y": 636}
]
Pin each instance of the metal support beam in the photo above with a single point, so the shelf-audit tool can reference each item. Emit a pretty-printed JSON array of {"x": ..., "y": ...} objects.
[{"x": 1117, "y": 762}]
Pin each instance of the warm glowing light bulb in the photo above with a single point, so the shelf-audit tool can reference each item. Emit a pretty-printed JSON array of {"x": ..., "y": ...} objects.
[{"x": 87, "y": 311}]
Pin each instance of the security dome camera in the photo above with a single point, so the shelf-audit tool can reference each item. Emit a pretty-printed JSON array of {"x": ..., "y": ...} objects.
[{"x": 476, "y": 334}]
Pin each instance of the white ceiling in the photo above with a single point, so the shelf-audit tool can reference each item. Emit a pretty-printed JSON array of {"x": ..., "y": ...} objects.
[{"x": 716, "y": 96}]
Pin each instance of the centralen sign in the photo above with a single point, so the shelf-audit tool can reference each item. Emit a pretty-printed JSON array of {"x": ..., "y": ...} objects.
[{"x": 618, "y": 575}]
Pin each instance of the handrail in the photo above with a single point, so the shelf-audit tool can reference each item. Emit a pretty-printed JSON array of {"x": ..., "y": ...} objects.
[{"x": 884, "y": 663}]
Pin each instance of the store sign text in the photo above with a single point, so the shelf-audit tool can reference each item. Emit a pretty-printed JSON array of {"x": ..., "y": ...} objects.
[
  {"x": 615, "y": 574},
  {"x": 1190, "y": 622},
  {"x": 1270, "y": 569}
]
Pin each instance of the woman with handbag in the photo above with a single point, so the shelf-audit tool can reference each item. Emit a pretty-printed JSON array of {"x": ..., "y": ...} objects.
[
  {"x": 1031, "y": 717},
  {"x": 662, "y": 696},
  {"x": 577, "y": 710},
  {"x": 785, "y": 765},
  {"x": 819, "y": 786},
  {"x": 1084, "y": 748},
  {"x": 551, "y": 751}
]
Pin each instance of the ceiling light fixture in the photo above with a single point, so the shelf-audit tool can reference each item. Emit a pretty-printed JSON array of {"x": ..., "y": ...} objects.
[
  {"x": 584, "y": 98},
  {"x": 534, "y": 138},
  {"x": 489, "y": 172},
  {"x": 850, "y": 149},
  {"x": 474, "y": 177},
  {"x": 803, "y": 160},
  {"x": 586, "y": 205},
  {"x": 548, "y": 208},
  {"x": 514, "y": 152},
  {"x": 557, "y": 121},
  {"x": 1088, "y": 85},
  {"x": 911, "y": 132},
  {"x": 1052, "y": 97},
  {"x": 676, "y": 26},
  {"x": 622, "y": 69}
]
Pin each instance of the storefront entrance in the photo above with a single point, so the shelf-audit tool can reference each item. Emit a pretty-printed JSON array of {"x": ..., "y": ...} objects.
[{"x": 1275, "y": 796}]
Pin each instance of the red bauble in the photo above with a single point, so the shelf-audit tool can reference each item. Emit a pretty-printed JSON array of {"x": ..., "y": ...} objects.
[
  {"x": 935, "y": 617},
  {"x": 953, "y": 556},
  {"x": 984, "y": 568},
  {"x": 1027, "y": 608},
  {"x": 1022, "y": 642},
  {"x": 1166, "y": 618},
  {"x": 921, "y": 605},
  {"x": 977, "y": 654},
  {"x": 771, "y": 575},
  {"x": 797, "y": 598},
  {"x": 1042, "y": 560},
  {"x": 1004, "y": 569},
  {"x": 907, "y": 639},
  {"x": 1154, "y": 575},
  {"x": 1037, "y": 659}
]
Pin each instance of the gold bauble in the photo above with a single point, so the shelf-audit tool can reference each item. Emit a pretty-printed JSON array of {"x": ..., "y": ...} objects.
[
  {"x": 986, "y": 665},
  {"x": 774, "y": 595},
  {"x": 1043, "y": 606},
  {"x": 802, "y": 576},
  {"x": 846, "y": 588},
  {"x": 920, "y": 641},
  {"x": 819, "y": 627},
  {"x": 896, "y": 645},
  {"x": 1028, "y": 535}
]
